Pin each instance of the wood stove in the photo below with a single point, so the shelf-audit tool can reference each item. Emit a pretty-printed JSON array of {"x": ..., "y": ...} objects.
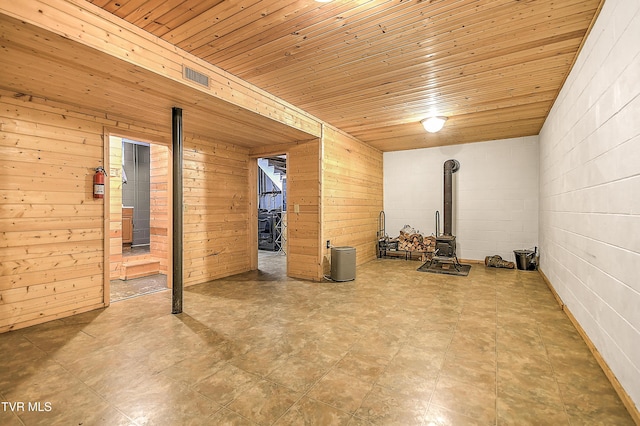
[
  {"x": 445, "y": 258},
  {"x": 446, "y": 246}
]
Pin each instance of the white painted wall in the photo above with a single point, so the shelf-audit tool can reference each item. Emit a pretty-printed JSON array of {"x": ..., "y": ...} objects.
[
  {"x": 590, "y": 191},
  {"x": 495, "y": 197}
]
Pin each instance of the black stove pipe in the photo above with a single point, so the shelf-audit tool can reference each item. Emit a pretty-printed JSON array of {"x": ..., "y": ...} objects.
[{"x": 450, "y": 167}]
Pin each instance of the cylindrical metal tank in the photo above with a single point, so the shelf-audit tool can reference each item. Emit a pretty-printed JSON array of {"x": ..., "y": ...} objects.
[{"x": 343, "y": 263}]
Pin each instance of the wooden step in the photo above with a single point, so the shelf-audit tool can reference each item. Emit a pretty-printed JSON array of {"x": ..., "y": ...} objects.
[{"x": 139, "y": 268}]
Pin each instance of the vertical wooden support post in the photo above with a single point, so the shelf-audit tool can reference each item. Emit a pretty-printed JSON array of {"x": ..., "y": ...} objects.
[{"x": 176, "y": 135}]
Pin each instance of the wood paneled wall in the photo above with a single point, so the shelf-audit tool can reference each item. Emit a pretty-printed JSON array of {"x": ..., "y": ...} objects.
[
  {"x": 351, "y": 195},
  {"x": 115, "y": 206},
  {"x": 216, "y": 210},
  {"x": 160, "y": 195},
  {"x": 52, "y": 240},
  {"x": 303, "y": 211},
  {"x": 52, "y": 244}
]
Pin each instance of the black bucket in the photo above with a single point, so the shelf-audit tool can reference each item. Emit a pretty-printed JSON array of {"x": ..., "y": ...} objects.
[{"x": 525, "y": 260}]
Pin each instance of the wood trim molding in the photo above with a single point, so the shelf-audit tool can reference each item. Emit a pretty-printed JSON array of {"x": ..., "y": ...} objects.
[
  {"x": 626, "y": 399},
  {"x": 268, "y": 150},
  {"x": 321, "y": 236},
  {"x": 106, "y": 205},
  {"x": 253, "y": 213},
  {"x": 471, "y": 261}
]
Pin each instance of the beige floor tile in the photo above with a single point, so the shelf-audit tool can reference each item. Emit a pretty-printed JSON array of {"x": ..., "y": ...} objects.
[
  {"x": 260, "y": 362},
  {"x": 395, "y": 346},
  {"x": 439, "y": 416},
  {"x": 225, "y": 417},
  {"x": 530, "y": 385},
  {"x": 310, "y": 412},
  {"x": 415, "y": 358},
  {"x": 514, "y": 410},
  {"x": 194, "y": 368},
  {"x": 299, "y": 373},
  {"x": 160, "y": 400},
  {"x": 264, "y": 402},
  {"x": 8, "y": 418},
  {"x": 116, "y": 372},
  {"x": 473, "y": 345},
  {"x": 476, "y": 373},
  {"x": 432, "y": 340},
  {"x": 390, "y": 407},
  {"x": 515, "y": 358},
  {"x": 464, "y": 399},
  {"x": 225, "y": 384},
  {"x": 593, "y": 404},
  {"x": 340, "y": 390},
  {"x": 414, "y": 384}
]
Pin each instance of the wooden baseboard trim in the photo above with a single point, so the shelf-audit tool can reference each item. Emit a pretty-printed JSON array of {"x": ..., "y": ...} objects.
[
  {"x": 471, "y": 261},
  {"x": 624, "y": 396}
]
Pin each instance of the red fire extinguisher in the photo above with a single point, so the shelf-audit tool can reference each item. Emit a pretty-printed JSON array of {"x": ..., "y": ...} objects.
[{"x": 98, "y": 183}]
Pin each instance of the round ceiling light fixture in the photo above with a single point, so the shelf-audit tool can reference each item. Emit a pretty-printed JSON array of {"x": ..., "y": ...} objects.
[{"x": 433, "y": 124}]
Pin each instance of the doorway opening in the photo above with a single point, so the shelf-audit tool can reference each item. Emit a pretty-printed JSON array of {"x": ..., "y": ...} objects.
[
  {"x": 272, "y": 214},
  {"x": 139, "y": 217}
]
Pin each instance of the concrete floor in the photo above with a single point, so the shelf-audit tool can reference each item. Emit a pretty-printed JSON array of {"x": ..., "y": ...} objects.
[{"x": 395, "y": 346}]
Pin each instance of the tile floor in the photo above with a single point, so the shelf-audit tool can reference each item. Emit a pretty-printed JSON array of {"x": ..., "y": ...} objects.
[
  {"x": 396, "y": 346},
  {"x": 126, "y": 289}
]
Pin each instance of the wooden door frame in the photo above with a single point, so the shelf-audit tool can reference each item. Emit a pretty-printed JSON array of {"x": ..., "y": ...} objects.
[
  {"x": 254, "y": 202},
  {"x": 253, "y": 191},
  {"x": 150, "y": 139}
]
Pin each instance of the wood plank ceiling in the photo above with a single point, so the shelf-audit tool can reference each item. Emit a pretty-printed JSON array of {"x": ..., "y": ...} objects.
[
  {"x": 376, "y": 68},
  {"x": 44, "y": 67}
]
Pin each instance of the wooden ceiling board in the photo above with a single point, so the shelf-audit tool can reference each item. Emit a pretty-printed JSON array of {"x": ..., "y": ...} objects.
[
  {"x": 452, "y": 90},
  {"x": 370, "y": 66},
  {"x": 214, "y": 31},
  {"x": 45, "y": 65},
  {"x": 409, "y": 40},
  {"x": 355, "y": 39},
  {"x": 412, "y": 65}
]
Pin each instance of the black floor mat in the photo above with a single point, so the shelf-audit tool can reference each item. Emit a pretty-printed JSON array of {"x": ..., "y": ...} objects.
[{"x": 445, "y": 268}]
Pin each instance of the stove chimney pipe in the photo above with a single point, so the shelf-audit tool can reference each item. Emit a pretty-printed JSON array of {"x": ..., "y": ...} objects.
[{"x": 450, "y": 167}]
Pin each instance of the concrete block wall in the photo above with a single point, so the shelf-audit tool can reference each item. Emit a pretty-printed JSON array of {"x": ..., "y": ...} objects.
[
  {"x": 495, "y": 194},
  {"x": 590, "y": 191}
]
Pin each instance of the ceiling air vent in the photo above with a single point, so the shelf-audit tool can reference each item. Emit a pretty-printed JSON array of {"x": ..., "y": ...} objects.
[{"x": 195, "y": 76}]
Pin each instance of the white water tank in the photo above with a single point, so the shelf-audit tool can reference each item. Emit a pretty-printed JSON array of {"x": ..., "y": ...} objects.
[{"x": 343, "y": 263}]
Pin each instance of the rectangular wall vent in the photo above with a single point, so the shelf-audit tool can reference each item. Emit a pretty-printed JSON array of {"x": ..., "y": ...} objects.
[{"x": 195, "y": 76}]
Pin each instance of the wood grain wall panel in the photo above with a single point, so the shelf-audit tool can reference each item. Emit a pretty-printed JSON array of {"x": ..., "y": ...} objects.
[
  {"x": 216, "y": 210},
  {"x": 159, "y": 217},
  {"x": 52, "y": 244},
  {"x": 352, "y": 184},
  {"x": 115, "y": 206},
  {"x": 303, "y": 211}
]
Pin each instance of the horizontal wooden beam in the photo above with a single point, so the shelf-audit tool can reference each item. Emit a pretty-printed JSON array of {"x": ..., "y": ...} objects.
[{"x": 84, "y": 23}]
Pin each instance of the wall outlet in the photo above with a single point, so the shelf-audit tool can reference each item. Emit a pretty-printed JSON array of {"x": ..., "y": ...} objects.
[{"x": 328, "y": 243}]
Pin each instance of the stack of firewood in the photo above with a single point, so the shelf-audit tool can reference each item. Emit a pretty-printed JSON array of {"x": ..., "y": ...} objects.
[{"x": 416, "y": 242}]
